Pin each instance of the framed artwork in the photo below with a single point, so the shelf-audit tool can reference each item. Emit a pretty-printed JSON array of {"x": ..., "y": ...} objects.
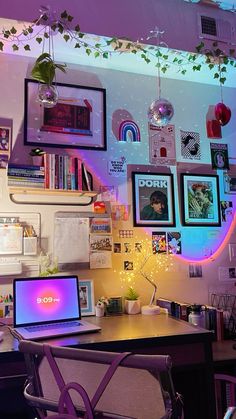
[
  {"x": 78, "y": 120},
  {"x": 229, "y": 184},
  {"x": 200, "y": 200},
  {"x": 153, "y": 199},
  {"x": 5, "y": 146},
  {"x": 86, "y": 295}
]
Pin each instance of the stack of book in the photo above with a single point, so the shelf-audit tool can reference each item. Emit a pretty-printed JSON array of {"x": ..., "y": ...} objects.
[
  {"x": 214, "y": 320},
  {"x": 62, "y": 172},
  {"x": 25, "y": 175}
]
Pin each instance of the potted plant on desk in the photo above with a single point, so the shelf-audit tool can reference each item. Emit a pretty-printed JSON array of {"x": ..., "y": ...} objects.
[{"x": 132, "y": 302}]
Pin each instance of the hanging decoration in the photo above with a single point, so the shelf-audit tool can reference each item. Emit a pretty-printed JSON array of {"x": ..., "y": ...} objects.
[
  {"x": 45, "y": 67},
  {"x": 161, "y": 110},
  {"x": 222, "y": 112}
]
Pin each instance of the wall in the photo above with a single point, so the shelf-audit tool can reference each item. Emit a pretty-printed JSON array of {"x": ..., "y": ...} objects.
[{"x": 128, "y": 97}]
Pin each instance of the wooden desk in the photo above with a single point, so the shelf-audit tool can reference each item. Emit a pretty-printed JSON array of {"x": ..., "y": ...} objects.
[{"x": 189, "y": 347}]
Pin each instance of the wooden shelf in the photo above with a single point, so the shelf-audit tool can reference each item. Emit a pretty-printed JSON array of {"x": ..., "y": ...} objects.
[{"x": 19, "y": 195}]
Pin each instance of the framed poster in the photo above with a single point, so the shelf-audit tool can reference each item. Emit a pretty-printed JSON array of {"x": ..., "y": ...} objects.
[
  {"x": 78, "y": 120},
  {"x": 86, "y": 295},
  {"x": 153, "y": 199},
  {"x": 200, "y": 200},
  {"x": 5, "y": 146}
]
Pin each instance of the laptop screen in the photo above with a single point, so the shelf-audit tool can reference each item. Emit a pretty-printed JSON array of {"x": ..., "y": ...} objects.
[{"x": 43, "y": 300}]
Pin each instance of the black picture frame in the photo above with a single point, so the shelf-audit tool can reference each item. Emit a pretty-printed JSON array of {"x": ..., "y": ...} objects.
[
  {"x": 200, "y": 200},
  {"x": 150, "y": 187},
  {"x": 78, "y": 120}
]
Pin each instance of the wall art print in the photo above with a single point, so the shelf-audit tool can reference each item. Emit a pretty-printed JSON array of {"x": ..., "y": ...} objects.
[
  {"x": 200, "y": 200},
  {"x": 153, "y": 199},
  {"x": 162, "y": 145},
  {"x": 78, "y": 120},
  {"x": 219, "y": 156},
  {"x": 190, "y": 145}
]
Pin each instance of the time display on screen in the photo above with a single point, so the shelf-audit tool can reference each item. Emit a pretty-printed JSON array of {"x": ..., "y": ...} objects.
[{"x": 46, "y": 300}]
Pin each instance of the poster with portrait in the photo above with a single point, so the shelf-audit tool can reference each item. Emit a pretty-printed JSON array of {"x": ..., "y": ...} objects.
[
  {"x": 200, "y": 200},
  {"x": 219, "y": 156},
  {"x": 5, "y": 146},
  {"x": 153, "y": 199}
]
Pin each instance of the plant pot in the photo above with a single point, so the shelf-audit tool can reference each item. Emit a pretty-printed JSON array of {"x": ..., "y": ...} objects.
[
  {"x": 99, "y": 311},
  {"x": 132, "y": 306}
]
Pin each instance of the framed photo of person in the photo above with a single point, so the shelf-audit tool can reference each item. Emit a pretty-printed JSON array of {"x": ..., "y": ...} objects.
[
  {"x": 200, "y": 200},
  {"x": 5, "y": 146},
  {"x": 153, "y": 199},
  {"x": 78, "y": 120},
  {"x": 86, "y": 295}
]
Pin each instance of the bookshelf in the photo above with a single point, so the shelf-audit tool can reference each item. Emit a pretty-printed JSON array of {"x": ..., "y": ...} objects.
[{"x": 38, "y": 196}]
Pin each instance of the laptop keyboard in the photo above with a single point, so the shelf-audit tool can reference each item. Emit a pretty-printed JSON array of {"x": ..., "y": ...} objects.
[{"x": 42, "y": 327}]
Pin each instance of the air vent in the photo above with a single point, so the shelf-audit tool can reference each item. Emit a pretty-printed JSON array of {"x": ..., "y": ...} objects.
[
  {"x": 217, "y": 29},
  {"x": 208, "y": 26}
]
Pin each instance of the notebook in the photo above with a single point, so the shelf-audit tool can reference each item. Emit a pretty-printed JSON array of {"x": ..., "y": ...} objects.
[{"x": 47, "y": 307}]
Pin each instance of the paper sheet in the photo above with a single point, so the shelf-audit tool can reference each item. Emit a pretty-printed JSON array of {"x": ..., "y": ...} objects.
[{"x": 71, "y": 239}]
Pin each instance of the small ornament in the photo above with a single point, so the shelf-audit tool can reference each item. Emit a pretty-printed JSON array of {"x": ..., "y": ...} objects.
[
  {"x": 160, "y": 112},
  {"x": 222, "y": 113},
  {"x": 47, "y": 95}
]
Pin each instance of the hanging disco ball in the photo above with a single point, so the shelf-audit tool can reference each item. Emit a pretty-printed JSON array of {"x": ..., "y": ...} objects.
[
  {"x": 222, "y": 113},
  {"x": 160, "y": 112},
  {"x": 47, "y": 95}
]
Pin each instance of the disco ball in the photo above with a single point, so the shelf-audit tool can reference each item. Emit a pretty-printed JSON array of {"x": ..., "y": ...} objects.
[
  {"x": 47, "y": 95},
  {"x": 160, "y": 112}
]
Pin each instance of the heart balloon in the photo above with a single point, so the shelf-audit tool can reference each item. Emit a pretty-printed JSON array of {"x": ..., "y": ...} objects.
[{"x": 222, "y": 113}]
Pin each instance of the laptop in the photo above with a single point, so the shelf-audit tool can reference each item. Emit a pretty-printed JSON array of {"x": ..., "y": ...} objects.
[{"x": 48, "y": 307}]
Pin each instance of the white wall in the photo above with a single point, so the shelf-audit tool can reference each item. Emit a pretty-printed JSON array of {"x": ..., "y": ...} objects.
[{"x": 131, "y": 94}]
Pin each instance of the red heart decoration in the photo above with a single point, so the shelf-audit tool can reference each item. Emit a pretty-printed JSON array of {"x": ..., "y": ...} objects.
[{"x": 222, "y": 113}]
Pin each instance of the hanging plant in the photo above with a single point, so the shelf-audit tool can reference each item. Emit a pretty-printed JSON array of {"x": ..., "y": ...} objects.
[
  {"x": 44, "y": 69},
  {"x": 48, "y": 24}
]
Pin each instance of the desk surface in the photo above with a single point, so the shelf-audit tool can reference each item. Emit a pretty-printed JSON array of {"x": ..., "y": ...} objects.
[{"x": 125, "y": 328}]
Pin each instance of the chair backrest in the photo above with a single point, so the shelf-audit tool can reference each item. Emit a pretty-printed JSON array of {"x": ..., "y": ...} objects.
[
  {"x": 225, "y": 391},
  {"x": 105, "y": 384}
]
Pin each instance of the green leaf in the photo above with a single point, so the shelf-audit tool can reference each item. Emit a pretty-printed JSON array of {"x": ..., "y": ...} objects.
[
  {"x": 44, "y": 56},
  {"x": 27, "y": 47},
  {"x": 70, "y": 18},
  {"x": 39, "y": 40},
  {"x": 13, "y": 30},
  {"x": 88, "y": 51},
  {"x": 222, "y": 80},
  {"x": 60, "y": 28},
  {"x": 216, "y": 76},
  {"x": 96, "y": 54},
  {"x": 77, "y": 45},
  {"x": 66, "y": 37},
  {"x": 30, "y": 29},
  {"x": 105, "y": 55},
  {"x": 211, "y": 66},
  {"x": 81, "y": 35},
  {"x": 64, "y": 14},
  {"x": 200, "y": 47},
  {"x": 223, "y": 69},
  {"x": 165, "y": 57},
  {"x": 25, "y": 32},
  {"x": 15, "y": 47},
  {"x": 46, "y": 35},
  {"x": 98, "y": 46},
  {"x": 77, "y": 28},
  {"x": 183, "y": 72}
]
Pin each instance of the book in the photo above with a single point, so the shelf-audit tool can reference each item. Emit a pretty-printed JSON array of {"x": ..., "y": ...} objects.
[{"x": 86, "y": 178}]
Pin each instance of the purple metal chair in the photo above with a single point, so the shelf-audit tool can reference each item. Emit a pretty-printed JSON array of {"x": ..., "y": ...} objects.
[{"x": 80, "y": 383}]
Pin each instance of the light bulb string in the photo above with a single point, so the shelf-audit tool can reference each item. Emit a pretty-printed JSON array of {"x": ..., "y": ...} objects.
[{"x": 156, "y": 33}]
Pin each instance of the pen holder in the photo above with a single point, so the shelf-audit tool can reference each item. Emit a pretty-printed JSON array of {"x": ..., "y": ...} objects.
[{"x": 30, "y": 246}]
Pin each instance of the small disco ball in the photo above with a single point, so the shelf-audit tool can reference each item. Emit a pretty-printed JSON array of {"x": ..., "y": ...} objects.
[
  {"x": 160, "y": 112},
  {"x": 47, "y": 95}
]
